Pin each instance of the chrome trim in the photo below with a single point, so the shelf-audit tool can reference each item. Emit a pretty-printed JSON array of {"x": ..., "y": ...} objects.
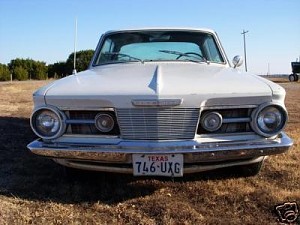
[
  {"x": 61, "y": 116},
  {"x": 101, "y": 129},
  {"x": 231, "y": 136},
  {"x": 85, "y": 108},
  {"x": 186, "y": 170},
  {"x": 256, "y": 112},
  {"x": 218, "y": 107},
  {"x": 157, "y": 102},
  {"x": 157, "y": 123},
  {"x": 81, "y": 121},
  {"x": 236, "y": 120},
  {"x": 193, "y": 151},
  {"x": 203, "y": 121}
]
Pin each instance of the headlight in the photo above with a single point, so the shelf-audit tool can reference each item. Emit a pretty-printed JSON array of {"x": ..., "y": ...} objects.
[
  {"x": 269, "y": 120},
  {"x": 47, "y": 123},
  {"x": 211, "y": 121},
  {"x": 104, "y": 122}
]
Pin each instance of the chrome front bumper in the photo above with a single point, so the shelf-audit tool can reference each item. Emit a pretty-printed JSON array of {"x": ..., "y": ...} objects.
[{"x": 194, "y": 152}]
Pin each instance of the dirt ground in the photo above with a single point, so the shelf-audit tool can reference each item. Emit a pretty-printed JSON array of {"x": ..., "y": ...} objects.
[{"x": 35, "y": 190}]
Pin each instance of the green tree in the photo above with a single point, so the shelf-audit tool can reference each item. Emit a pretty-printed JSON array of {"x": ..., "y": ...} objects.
[
  {"x": 34, "y": 69},
  {"x": 23, "y": 69},
  {"x": 24, "y": 63},
  {"x": 39, "y": 70},
  {"x": 20, "y": 73},
  {"x": 83, "y": 59},
  {"x": 57, "y": 70},
  {"x": 4, "y": 72}
]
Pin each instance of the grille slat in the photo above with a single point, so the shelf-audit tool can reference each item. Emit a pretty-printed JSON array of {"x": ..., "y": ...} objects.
[{"x": 158, "y": 123}]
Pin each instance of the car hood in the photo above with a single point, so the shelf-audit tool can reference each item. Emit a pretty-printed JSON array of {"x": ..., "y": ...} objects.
[{"x": 196, "y": 84}]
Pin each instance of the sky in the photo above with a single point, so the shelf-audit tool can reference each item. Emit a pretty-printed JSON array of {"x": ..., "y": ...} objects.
[{"x": 44, "y": 30}]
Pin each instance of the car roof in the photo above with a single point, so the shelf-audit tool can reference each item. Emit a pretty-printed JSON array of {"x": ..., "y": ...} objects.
[{"x": 206, "y": 30}]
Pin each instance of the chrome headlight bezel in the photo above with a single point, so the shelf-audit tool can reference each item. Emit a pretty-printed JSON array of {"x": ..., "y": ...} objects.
[
  {"x": 275, "y": 111},
  {"x": 207, "y": 118},
  {"x": 102, "y": 127},
  {"x": 52, "y": 112}
]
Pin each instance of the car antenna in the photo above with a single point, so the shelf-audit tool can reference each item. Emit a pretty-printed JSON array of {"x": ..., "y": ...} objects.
[{"x": 75, "y": 42}]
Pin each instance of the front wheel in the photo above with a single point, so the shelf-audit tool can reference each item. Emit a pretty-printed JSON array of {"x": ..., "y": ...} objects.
[{"x": 293, "y": 77}]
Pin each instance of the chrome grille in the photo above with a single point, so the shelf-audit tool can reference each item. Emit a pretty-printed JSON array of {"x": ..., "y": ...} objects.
[{"x": 158, "y": 123}]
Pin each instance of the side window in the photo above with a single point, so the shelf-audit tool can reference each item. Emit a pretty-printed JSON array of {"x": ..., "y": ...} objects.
[
  {"x": 212, "y": 50},
  {"x": 107, "y": 47}
]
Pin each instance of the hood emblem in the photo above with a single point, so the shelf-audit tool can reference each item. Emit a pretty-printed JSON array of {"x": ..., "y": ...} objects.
[{"x": 157, "y": 102}]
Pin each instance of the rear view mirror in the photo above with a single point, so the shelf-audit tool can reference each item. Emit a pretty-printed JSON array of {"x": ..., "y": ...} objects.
[{"x": 237, "y": 61}]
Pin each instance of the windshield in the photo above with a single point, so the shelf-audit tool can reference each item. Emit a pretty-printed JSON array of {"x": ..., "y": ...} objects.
[{"x": 141, "y": 46}]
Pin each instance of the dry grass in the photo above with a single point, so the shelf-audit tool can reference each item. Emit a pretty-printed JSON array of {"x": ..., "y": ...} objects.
[{"x": 34, "y": 190}]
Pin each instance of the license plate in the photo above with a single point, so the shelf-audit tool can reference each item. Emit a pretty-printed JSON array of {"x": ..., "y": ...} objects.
[{"x": 169, "y": 165}]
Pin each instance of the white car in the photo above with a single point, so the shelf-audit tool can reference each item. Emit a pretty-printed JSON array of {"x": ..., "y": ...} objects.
[{"x": 160, "y": 102}]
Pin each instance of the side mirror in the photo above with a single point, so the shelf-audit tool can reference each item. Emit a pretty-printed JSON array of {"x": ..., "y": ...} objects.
[{"x": 237, "y": 61}]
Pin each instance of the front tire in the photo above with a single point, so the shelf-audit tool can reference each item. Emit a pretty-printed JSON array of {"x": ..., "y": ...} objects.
[{"x": 293, "y": 77}]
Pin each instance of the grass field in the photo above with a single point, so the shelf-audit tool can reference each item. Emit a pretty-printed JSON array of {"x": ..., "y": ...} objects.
[{"x": 34, "y": 190}]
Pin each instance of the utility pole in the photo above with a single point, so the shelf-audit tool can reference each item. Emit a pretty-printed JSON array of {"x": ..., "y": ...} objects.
[{"x": 245, "y": 55}]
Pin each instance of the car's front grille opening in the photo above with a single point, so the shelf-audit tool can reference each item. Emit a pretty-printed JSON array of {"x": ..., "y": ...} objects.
[
  {"x": 234, "y": 121},
  {"x": 158, "y": 123},
  {"x": 83, "y": 122}
]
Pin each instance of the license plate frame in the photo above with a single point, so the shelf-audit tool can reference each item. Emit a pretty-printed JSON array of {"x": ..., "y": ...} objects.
[{"x": 166, "y": 165}]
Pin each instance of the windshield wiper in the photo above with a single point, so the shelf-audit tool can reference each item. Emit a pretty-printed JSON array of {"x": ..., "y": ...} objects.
[
  {"x": 123, "y": 55},
  {"x": 187, "y": 54}
]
